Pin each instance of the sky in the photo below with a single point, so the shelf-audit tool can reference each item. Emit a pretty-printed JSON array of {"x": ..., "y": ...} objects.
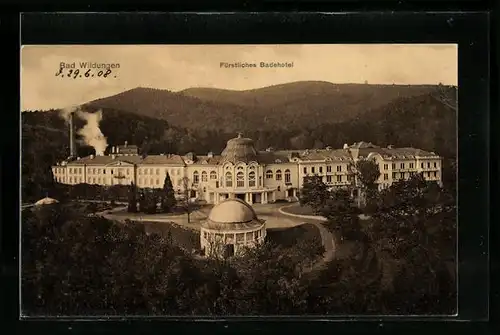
[{"x": 177, "y": 67}]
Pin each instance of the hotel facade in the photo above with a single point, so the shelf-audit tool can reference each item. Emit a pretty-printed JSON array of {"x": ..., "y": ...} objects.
[{"x": 243, "y": 172}]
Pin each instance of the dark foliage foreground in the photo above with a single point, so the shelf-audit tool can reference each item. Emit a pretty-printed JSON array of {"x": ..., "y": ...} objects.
[{"x": 73, "y": 264}]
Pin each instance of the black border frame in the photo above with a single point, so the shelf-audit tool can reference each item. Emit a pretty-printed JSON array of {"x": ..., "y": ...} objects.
[{"x": 469, "y": 30}]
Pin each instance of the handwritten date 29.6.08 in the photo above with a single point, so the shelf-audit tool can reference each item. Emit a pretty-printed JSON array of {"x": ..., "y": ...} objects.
[{"x": 71, "y": 73}]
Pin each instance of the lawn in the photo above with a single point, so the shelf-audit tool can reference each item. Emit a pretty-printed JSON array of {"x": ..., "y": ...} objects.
[
  {"x": 288, "y": 237},
  {"x": 185, "y": 238}
]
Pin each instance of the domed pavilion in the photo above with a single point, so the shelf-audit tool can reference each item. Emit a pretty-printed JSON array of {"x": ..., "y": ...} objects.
[{"x": 231, "y": 226}]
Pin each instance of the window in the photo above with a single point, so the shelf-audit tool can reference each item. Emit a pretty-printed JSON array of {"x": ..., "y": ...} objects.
[
  {"x": 70, "y": 179},
  {"x": 240, "y": 237},
  {"x": 213, "y": 175},
  {"x": 402, "y": 165},
  {"x": 386, "y": 176},
  {"x": 287, "y": 176},
  {"x": 339, "y": 179},
  {"x": 240, "y": 179},
  {"x": 204, "y": 176},
  {"x": 435, "y": 174},
  {"x": 393, "y": 166},
  {"x": 70, "y": 170},
  {"x": 93, "y": 171},
  {"x": 305, "y": 170},
  {"x": 157, "y": 181},
  {"x": 99, "y": 180},
  {"x": 320, "y": 169},
  {"x": 251, "y": 179},
  {"x": 278, "y": 175},
  {"x": 179, "y": 182},
  {"x": 249, "y": 236},
  {"x": 435, "y": 164},
  {"x": 428, "y": 165},
  {"x": 328, "y": 179},
  {"x": 93, "y": 180},
  {"x": 229, "y": 179},
  {"x": 402, "y": 175},
  {"x": 196, "y": 177},
  {"x": 329, "y": 168},
  {"x": 386, "y": 166},
  {"x": 157, "y": 171},
  {"x": 312, "y": 170},
  {"x": 269, "y": 174},
  {"x": 339, "y": 168},
  {"x": 394, "y": 175},
  {"x": 411, "y": 165}
]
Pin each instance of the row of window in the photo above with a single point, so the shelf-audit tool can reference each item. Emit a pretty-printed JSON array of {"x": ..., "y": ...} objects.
[
  {"x": 151, "y": 171},
  {"x": 338, "y": 179},
  {"x": 269, "y": 175},
  {"x": 403, "y": 175},
  {"x": 320, "y": 169},
  {"x": 204, "y": 176},
  {"x": 410, "y": 165},
  {"x": 239, "y": 237}
]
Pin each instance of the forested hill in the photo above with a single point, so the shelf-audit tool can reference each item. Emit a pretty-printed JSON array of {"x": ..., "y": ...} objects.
[{"x": 288, "y": 106}]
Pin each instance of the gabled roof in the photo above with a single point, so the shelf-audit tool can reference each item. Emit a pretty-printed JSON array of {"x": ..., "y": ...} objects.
[
  {"x": 163, "y": 159},
  {"x": 105, "y": 160}
]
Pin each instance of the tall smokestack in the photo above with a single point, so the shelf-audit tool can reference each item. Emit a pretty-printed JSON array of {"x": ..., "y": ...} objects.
[{"x": 72, "y": 147}]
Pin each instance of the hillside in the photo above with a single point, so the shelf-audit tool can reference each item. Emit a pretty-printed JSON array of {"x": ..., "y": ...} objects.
[{"x": 289, "y": 106}]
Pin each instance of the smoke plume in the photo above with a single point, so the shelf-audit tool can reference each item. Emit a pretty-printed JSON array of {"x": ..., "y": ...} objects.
[
  {"x": 91, "y": 132},
  {"x": 66, "y": 112}
]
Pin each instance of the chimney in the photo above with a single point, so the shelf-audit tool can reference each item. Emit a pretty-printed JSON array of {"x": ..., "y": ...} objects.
[
  {"x": 91, "y": 156},
  {"x": 113, "y": 156},
  {"x": 328, "y": 148},
  {"x": 210, "y": 154},
  {"x": 72, "y": 148},
  {"x": 113, "y": 149},
  {"x": 346, "y": 146},
  {"x": 126, "y": 144},
  {"x": 390, "y": 146}
]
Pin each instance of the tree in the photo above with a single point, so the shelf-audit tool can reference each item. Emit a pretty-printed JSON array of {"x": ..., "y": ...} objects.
[
  {"x": 412, "y": 230},
  {"x": 168, "y": 197},
  {"x": 367, "y": 173},
  {"x": 186, "y": 188},
  {"x": 132, "y": 198},
  {"x": 314, "y": 193},
  {"x": 340, "y": 212}
]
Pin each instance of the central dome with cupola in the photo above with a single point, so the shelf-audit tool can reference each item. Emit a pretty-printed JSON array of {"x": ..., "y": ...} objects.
[{"x": 239, "y": 149}]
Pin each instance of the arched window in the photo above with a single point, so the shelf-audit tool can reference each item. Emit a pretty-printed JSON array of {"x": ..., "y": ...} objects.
[
  {"x": 278, "y": 174},
  {"x": 251, "y": 179},
  {"x": 287, "y": 176},
  {"x": 240, "y": 179},
  {"x": 196, "y": 177},
  {"x": 269, "y": 174},
  {"x": 204, "y": 176},
  {"x": 213, "y": 175},
  {"x": 229, "y": 179}
]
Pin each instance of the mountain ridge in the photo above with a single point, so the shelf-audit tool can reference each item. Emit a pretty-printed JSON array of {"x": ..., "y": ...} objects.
[{"x": 290, "y": 105}]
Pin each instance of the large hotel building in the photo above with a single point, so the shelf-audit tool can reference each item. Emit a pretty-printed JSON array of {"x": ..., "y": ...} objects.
[{"x": 243, "y": 172}]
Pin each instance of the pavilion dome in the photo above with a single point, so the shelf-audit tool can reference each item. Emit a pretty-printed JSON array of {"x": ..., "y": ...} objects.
[
  {"x": 239, "y": 149},
  {"x": 232, "y": 211}
]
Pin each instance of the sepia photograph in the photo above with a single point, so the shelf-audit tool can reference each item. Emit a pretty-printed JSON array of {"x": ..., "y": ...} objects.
[{"x": 238, "y": 180}]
